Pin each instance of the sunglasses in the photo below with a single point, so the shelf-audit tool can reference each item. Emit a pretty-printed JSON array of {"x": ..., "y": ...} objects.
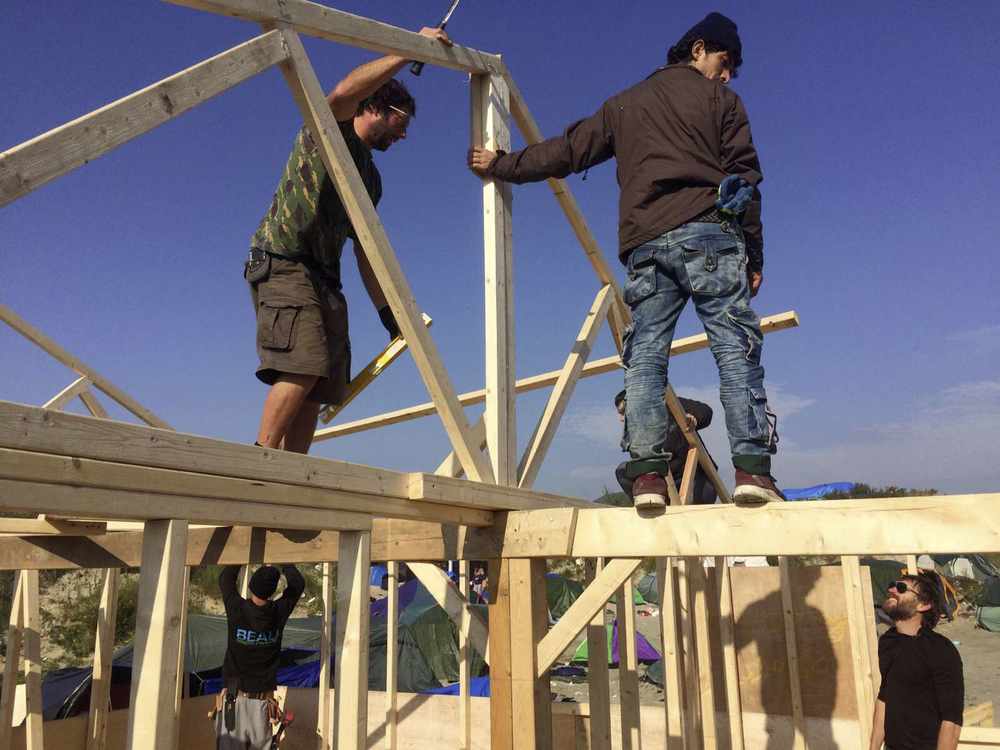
[{"x": 902, "y": 587}]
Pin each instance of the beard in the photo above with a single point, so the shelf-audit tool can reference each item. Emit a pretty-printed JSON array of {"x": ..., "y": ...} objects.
[{"x": 897, "y": 610}]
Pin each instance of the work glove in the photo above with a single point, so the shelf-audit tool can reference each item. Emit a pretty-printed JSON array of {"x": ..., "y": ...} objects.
[
  {"x": 389, "y": 321},
  {"x": 735, "y": 194}
]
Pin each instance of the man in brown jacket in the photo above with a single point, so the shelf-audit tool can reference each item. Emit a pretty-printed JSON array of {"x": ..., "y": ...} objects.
[{"x": 676, "y": 137}]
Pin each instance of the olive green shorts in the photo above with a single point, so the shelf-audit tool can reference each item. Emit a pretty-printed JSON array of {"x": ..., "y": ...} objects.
[{"x": 301, "y": 328}]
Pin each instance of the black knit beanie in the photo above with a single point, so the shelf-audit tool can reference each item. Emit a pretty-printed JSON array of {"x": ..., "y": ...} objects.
[
  {"x": 721, "y": 30},
  {"x": 264, "y": 581}
]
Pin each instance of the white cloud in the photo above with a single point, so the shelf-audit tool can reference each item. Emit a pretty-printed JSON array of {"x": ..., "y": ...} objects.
[{"x": 983, "y": 340}]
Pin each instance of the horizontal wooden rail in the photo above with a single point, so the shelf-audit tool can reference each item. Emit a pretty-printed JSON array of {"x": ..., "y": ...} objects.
[
  {"x": 769, "y": 324},
  {"x": 44, "y": 158},
  {"x": 333, "y": 25}
]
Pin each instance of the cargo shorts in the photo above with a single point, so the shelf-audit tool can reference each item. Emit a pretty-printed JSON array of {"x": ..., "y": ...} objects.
[{"x": 301, "y": 327}]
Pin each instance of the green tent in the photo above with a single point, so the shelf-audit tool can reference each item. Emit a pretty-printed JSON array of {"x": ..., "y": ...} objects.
[
  {"x": 561, "y": 593},
  {"x": 988, "y": 618}
]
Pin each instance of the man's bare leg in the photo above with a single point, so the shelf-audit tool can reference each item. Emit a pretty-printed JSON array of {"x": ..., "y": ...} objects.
[
  {"x": 299, "y": 435},
  {"x": 284, "y": 401}
]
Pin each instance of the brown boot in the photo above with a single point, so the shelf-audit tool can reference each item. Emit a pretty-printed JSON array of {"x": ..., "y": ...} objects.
[
  {"x": 649, "y": 490},
  {"x": 755, "y": 489}
]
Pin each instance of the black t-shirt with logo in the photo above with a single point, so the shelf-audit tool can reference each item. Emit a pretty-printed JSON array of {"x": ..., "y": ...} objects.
[
  {"x": 254, "y": 633},
  {"x": 922, "y": 685}
]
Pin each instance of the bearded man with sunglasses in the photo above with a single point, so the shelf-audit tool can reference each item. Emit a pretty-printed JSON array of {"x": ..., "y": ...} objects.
[
  {"x": 294, "y": 263},
  {"x": 922, "y": 696}
]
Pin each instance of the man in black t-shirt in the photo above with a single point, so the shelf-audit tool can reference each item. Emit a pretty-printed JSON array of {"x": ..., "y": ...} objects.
[
  {"x": 254, "y": 628},
  {"x": 922, "y": 696}
]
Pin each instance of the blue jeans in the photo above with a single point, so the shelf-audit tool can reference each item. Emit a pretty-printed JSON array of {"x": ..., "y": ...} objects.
[{"x": 706, "y": 262}]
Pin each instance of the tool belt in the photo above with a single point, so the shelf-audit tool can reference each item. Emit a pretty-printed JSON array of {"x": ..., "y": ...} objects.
[{"x": 225, "y": 703}]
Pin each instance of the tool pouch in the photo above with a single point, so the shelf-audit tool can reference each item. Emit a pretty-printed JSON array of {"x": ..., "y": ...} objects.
[
  {"x": 258, "y": 266},
  {"x": 229, "y": 712}
]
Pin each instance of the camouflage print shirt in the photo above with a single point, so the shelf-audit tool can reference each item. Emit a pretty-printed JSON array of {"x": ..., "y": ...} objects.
[{"x": 306, "y": 216}]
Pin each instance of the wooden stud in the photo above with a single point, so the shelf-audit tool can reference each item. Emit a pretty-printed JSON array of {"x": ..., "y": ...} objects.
[
  {"x": 11, "y": 667},
  {"x": 244, "y": 579},
  {"x": 583, "y": 611},
  {"x": 628, "y": 668},
  {"x": 727, "y": 632},
  {"x": 306, "y": 90},
  {"x": 451, "y": 466},
  {"x": 853, "y": 593},
  {"x": 366, "y": 376},
  {"x": 692, "y": 688},
  {"x": 489, "y": 128},
  {"x": 314, "y": 19},
  {"x": 531, "y": 705},
  {"x": 323, "y": 724},
  {"x": 182, "y": 690},
  {"x": 911, "y": 565},
  {"x": 673, "y": 657},
  {"x": 104, "y": 646},
  {"x": 792, "y": 651},
  {"x": 443, "y": 590},
  {"x": 769, "y": 324},
  {"x": 464, "y": 664},
  {"x": 93, "y": 405},
  {"x": 351, "y": 677},
  {"x": 706, "y": 667},
  {"x": 392, "y": 658},
  {"x": 32, "y": 654},
  {"x": 555, "y": 407},
  {"x": 696, "y": 444},
  {"x": 871, "y": 632},
  {"x": 151, "y": 723},
  {"x": 599, "y": 689},
  {"x": 501, "y": 689},
  {"x": 32, "y": 164},
  {"x": 68, "y": 393}
]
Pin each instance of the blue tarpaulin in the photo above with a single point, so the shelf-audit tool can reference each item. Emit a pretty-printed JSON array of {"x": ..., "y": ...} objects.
[
  {"x": 817, "y": 490},
  {"x": 478, "y": 687}
]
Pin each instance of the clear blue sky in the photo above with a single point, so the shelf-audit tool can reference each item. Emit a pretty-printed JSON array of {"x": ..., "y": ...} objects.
[{"x": 876, "y": 126}]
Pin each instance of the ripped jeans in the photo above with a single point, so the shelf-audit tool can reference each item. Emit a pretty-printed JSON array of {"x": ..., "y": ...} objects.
[{"x": 706, "y": 262}]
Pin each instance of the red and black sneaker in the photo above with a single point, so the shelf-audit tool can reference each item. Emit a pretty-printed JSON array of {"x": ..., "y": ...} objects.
[
  {"x": 755, "y": 489},
  {"x": 650, "y": 490}
]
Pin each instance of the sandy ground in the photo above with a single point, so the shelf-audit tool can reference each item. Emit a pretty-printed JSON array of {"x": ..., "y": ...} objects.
[{"x": 980, "y": 651}]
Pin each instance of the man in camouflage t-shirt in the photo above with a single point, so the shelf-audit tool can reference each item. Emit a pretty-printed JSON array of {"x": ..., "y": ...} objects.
[{"x": 294, "y": 264}]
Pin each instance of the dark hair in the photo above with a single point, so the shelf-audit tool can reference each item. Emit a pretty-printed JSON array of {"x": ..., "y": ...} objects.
[
  {"x": 681, "y": 52},
  {"x": 390, "y": 94},
  {"x": 929, "y": 591}
]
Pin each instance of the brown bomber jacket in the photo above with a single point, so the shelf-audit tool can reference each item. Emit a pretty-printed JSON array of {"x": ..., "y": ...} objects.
[{"x": 675, "y": 136}]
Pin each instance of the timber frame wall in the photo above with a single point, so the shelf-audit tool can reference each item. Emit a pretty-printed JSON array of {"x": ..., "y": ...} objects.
[{"x": 72, "y": 470}]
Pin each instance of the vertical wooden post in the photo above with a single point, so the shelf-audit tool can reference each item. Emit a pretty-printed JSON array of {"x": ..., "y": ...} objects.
[
  {"x": 245, "y": 581},
  {"x": 597, "y": 671},
  {"x": 182, "y": 675},
  {"x": 628, "y": 668},
  {"x": 692, "y": 687},
  {"x": 853, "y": 592},
  {"x": 673, "y": 665},
  {"x": 104, "y": 646},
  {"x": 911, "y": 565},
  {"x": 792, "y": 651},
  {"x": 531, "y": 704},
  {"x": 871, "y": 632},
  {"x": 490, "y": 117},
  {"x": 11, "y": 666},
  {"x": 32, "y": 640},
  {"x": 464, "y": 672},
  {"x": 151, "y": 723},
  {"x": 703, "y": 636},
  {"x": 351, "y": 683},
  {"x": 392, "y": 656},
  {"x": 323, "y": 729},
  {"x": 501, "y": 689},
  {"x": 727, "y": 632}
]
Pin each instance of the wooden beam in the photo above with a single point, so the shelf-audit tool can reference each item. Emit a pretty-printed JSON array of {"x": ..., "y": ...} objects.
[
  {"x": 324, "y": 714},
  {"x": 696, "y": 445},
  {"x": 33, "y": 163},
  {"x": 181, "y": 688},
  {"x": 157, "y": 637},
  {"x": 32, "y": 645},
  {"x": 351, "y": 676},
  {"x": 580, "y": 614},
  {"x": 911, "y": 565},
  {"x": 555, "y": 407},
  {"x": 501, "y": 689},
  {"x": 628, "y": 668},
  {"x": 673, "y": 657},
  {"x": 104, "y": 646},
  {"x": 727, "y": 632},
  {"x": 340, "y": 166},
  {"x": 93, "y": 405},
  {"x": 490, "y": 114},
  {"x": 620, "y": 316},
  {"x": 103, "y": 503},
  {"x": 450, "y": 599},
  {"x": 434, "y": 488},
  {"x": 602, "y": 366},
  {"x": 938, "y": 524},
  {"x": 12, "y": 661},
  {"x": 531, "y": 705},
  {"x": 43, "y": 526},
  {"x": 68, "y": 393},
  {"x": 451, "y": 466},
  {"x": 865, "y": 699},
  {"x": 366, "y": 376},
  {"x": 53, "y": 349},
  {"x": 792, "y": 652},
  {"x": 392, "y": 658},
  {"x": 598, "y": 686},
  {"x": 333, "y": 25},
  {"x": 871, "y": 633},
  {"x": 464, "y": 663},
  {"x": 705, "y": 665}
]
